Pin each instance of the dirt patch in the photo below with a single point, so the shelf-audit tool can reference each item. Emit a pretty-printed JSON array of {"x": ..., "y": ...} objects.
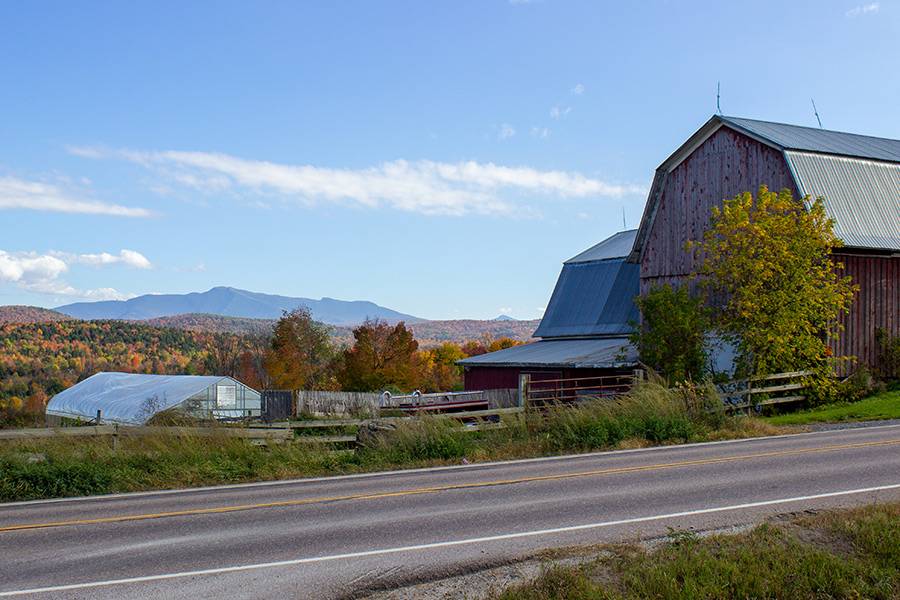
[{"x": 481, "y": 584}]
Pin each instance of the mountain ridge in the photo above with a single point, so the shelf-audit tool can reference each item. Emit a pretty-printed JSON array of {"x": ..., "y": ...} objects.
[{"x": 234, "y": 302}]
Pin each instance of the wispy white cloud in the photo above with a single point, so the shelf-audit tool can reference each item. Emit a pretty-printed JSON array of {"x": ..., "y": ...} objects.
[
  {"x": 125, "y": 257},
  {"x": 31, "y": 195},
  {"x": 541, "y": 132},
  {"x": 42, "y": 273},
  {"x": 428, "y": 187},
  {"x": 560, "y": 112},
  {"x": 863, "y": 9},
  {"x": 578, "y": 89},
  {"x": 506, "y": 131}
]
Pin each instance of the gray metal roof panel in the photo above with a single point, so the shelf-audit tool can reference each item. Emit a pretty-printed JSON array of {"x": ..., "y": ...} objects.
[
  {"x": 128, "y": 398},
  {"x": 810, "y": 139},
  {"x": 618, "y": 245},
  {"x": 592, "y": 298},
  {"x": 598, "y": 353},
  {"x": 862, "y": 196}
]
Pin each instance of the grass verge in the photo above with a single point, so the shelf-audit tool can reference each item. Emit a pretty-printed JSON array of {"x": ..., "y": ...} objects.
[
  {"x": 847, "y": 554},
  {"x": 881, "y": 406},
  {"x": 650, "y": 414}
]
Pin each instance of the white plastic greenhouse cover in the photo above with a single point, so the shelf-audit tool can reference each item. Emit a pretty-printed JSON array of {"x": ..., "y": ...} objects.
[{"x": 128, "y": 398}]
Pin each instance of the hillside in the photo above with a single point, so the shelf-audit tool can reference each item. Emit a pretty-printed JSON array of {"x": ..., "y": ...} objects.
[
  {"x": 30, "y": 314},
  {"x": 232, "y": 302},
  {"x": 38, "y": 360},
  {"x": 428, "y": 333},
  {"x": 214, "y": 324}
]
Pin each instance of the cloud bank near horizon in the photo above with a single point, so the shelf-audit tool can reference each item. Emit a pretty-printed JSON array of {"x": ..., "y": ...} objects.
[{"x": 42, "y": 273}]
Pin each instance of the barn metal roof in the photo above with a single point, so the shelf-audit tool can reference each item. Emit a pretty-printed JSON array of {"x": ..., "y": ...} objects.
[
  {"x": 598, "y": 353},
  {"x": 862, "y": 196},
  {"x": 128, "y": 398},
  {"x": 592, "y": 298},
  {"x": 810, "y": 139},
  {"x": 616, "y": 246}
]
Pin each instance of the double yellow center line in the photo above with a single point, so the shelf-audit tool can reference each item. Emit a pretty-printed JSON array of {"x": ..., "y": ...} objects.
[{"x": 443, "y": 488}]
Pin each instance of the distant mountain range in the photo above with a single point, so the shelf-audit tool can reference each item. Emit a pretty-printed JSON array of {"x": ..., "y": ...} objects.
[
  {"x": 232, "y": 302},
  {"x": 428, "y": 333}
]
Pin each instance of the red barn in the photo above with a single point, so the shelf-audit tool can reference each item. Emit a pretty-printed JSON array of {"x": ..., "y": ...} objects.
[
  {"x": 858, "y": 176},
  {"x": 584, "y": 331}
]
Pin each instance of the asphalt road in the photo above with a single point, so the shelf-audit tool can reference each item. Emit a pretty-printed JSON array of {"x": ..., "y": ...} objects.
[{"x": 346, "y": 536}]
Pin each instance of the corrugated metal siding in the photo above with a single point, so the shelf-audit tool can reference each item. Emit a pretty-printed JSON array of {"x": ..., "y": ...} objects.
[
  {"x": 862, "y": 196},
  {"x": 592, "y": 298},
  {"x": 582, "y": 354},
  {"x": 618, "y": 245},
  {"x": 795, "y": 137},
  {"x": 876, "y": 306}
]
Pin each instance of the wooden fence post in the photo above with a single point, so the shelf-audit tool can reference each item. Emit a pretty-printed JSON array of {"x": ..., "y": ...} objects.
[{"x": 524, "y": 384}]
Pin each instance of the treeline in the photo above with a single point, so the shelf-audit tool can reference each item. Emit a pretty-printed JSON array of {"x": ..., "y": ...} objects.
[
  {"x": 302, "y": 355},
  {"x": 38, "y": 360}
]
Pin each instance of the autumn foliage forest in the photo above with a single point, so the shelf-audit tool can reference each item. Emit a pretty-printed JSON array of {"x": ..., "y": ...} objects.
[{"x": 37, "y": 360}]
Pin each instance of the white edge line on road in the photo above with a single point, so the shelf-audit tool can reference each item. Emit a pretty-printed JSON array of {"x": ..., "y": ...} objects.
[
  {"x": 472, "y": 466},
  {"x": 481, "y": 540}
]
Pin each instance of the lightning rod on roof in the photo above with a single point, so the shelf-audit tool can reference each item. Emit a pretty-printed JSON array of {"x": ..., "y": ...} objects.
[
  {"x": 624, "y": 225},
  {"x": 718, "y": 90},
  {"x": 816, "y": 112}
]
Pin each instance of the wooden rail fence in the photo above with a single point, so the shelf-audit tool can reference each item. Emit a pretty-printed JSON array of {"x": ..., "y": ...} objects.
[
  {"x": 308, "y": 430},
  {"x": 780, "y": 388}
]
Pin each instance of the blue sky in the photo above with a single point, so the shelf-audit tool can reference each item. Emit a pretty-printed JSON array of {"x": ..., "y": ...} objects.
[{"x": 440, "y": 158}]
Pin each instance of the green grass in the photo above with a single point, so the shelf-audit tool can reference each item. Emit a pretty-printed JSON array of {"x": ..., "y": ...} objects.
[
  {"x": 650, "y": 414},
  {"x": 881, "y": 406},
  {"x": 850, "y": 554}
]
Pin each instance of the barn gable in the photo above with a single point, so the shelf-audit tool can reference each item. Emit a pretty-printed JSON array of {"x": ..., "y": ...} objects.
[
  {"x": 859, "y": 177},
  {"x": 688, "y": 185}
]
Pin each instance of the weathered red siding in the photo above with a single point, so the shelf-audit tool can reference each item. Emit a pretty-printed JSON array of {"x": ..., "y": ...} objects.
[
  {"x": 725, "y": 165},
  {"x": 491, "y": 378},
  {"x": 876, "y": 306}
]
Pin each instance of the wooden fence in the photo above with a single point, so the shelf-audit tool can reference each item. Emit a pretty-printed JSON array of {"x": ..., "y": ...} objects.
[
  {"x": 321, "y": 403},
  {"x": 780, "y": 388},
  {"x": 536, "y": 392},
  {"x": 316, "y": 402},
  {"x": 337, "y": 431}
]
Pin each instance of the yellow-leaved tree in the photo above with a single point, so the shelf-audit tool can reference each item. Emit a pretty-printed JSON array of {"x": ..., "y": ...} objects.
[{"x": 766, "y": 265}]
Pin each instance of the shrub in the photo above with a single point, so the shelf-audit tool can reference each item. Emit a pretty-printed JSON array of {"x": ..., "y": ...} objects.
[
  {"x": 889, "y": 350},
  {"x": 672, "y": 335},
  {"x": 768, "y": 258}
]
